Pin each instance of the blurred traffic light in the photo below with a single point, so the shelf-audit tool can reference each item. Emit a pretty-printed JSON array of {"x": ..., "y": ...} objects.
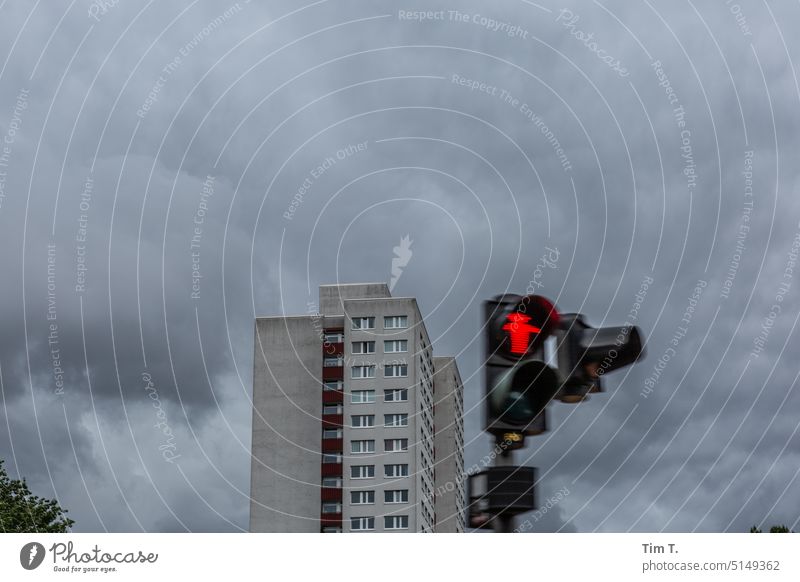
[
  {"x": 500, "y": 491},
  {"x": 519, "y": 384},
  {"x": 586, "y": 353}
]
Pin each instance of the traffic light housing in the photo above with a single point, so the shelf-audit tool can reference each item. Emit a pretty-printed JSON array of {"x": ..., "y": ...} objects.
[
  {"x": 519, "y": 384},
  {"x": 586, "y": 353},
  {"x": 495, "y": 491}
]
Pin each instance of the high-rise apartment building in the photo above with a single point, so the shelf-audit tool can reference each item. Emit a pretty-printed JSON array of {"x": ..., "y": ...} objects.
[{"x": 356, "y": 425}]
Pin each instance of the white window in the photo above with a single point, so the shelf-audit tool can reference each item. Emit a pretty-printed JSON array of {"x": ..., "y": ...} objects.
[
  {"x": 331, "y": 507},
  {"x": 335, "y": 482},
  {"x": 332, "y": 409},
  {"x": 363, "y": 347},
  {"x": 395, "y": 321},
  {"x": 395, "y": 496},
  {"x": 363, "y": 323},
  {"x": 395, "y": 470},
  {"x": 395, "y": 370},
  {"x": 395, "y": 522},
  {"x": 395, "y": 420},
  {"x": 331, "y": 433},
  {"x": 395, "y": 346},
  {"x": 363, "y": 420},
  {"x": 362, "y": 471},
  {"x": 363, "y": 372},
  {"x": 362, "y": 497},
  {"x": 362, "y": 523},
  {"x": 333, "y": 362},
  {"x": 396, "y": 395},
  {"x": 334, "y": 337},
  {"x": 360, "y": 447},
  {"x": 332, "y": 457},
  {"x": 395, "y": 445},
  {"x": 362, "y": 396},
  {"x": 332, "y": 385}
]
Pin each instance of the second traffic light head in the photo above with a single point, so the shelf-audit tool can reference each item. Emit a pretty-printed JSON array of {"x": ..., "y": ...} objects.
[
  {"x": 586, "y": 353},
  {"x": 611, "y": 348}
]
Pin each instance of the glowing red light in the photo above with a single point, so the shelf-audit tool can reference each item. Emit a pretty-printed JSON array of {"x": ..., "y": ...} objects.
[{"x": 519, "y": 330}]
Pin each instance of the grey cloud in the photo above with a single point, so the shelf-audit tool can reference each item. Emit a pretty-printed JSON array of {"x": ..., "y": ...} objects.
[{"x": 630, "y": 203}]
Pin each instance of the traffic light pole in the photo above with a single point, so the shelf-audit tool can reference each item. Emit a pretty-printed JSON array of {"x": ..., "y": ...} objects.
[
  {"x": 520, "y": 384},
  {"x": 504, "y": 523}
]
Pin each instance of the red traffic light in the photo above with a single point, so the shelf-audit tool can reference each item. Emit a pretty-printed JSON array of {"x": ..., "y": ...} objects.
[
  {"x": 519, "y": 331},
  {"x": 523, "y": 326}
]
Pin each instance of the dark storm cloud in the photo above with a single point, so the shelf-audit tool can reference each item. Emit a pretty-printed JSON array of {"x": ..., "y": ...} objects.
[{"x": 556, "y": 149}]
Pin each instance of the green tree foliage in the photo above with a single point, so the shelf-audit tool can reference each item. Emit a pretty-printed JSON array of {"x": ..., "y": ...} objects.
[
  {"x": 23, "y": 512},
  {"x": 773, "y": 529}
]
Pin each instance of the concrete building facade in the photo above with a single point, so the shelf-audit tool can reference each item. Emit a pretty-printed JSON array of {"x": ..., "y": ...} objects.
[
  {"x": 450, "y": 495},
  {"x": 356, "y": 426}
]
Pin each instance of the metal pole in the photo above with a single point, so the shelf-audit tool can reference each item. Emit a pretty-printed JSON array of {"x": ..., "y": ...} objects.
[{"x": 504, "y": 523}]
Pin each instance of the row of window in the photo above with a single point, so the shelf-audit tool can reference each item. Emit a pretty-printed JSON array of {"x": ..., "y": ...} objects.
[
  {"x": 389, "y": 347},
  {"x": 364, "y": 420},
  {"x": 368, "y": 420},
  {"x": 365, "y": 447},
  {"x": 368, "y": 446},
  {"x": 368, "y": 471},
  {"x": 389, "y": 522},
  {"x": 389, "y": 322},
  {"x": 392, "y": 496},
  {"x": 368, "y": 396},
  {"x": 368, "y": 497},
  {"x": 338, "y": 361},
  {"x": 389, "y": 371},
  {"x": 398, "y": 495}
]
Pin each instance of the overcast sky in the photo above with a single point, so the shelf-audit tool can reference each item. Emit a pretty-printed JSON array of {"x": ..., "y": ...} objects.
[{"x": 649, "y": 149}]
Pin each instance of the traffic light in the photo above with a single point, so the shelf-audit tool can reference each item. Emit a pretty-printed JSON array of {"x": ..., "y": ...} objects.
[
  {"x": 499, "y": 491},
  {"x": 519, "y": 384},
  {"x": 586, "y": 353}
]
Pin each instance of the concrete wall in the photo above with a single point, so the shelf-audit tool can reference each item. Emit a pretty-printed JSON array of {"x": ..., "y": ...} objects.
[
  {"x": 285, "y": 479},
  {"x": 450, "y": 486},
  {"x": 287, "y": 407},
  {"x": 331, "y": 297},
  {"x": 378, "y": 308}
]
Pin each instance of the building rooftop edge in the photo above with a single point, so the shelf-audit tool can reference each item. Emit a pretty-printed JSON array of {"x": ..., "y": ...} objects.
[
  {"x": 454, "y": 367},
  {"x": 309, "y": 315},
  {"x": 352, "y": 284},
  {"x": 379, "y": 283}
]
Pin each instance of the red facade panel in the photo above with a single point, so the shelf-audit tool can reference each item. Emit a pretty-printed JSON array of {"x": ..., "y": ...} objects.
[
  {"x": 332, "y": 397},
  {"x": 332, "y": 420},
  {"x": 333, "y": 373},
  {"x": 331, "y": 469},
  {"x": 333, "y": 349},
  {"x": 331, "y": 494},
  {"x": 332, "y": 445},
  {"x": 331, "y": 520}
]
